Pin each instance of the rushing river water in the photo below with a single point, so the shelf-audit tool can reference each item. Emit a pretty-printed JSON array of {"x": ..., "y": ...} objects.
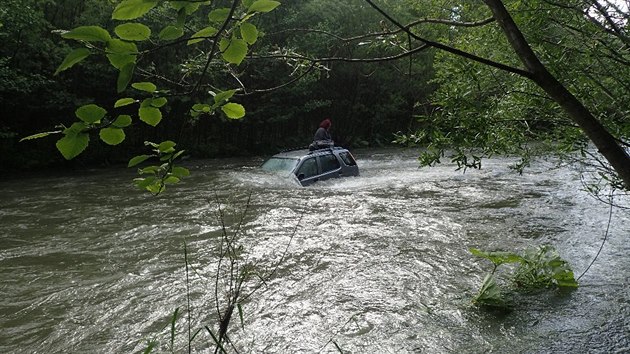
[{"x": 378, "y": 263}]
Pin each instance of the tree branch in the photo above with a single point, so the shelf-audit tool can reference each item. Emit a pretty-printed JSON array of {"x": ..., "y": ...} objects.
[
  {"x": 214, "y": 46},
  {"x": 449, "y": 49},
  {"x": 391, "y": 33},
  {"x": 451, "y": 23},
  {"x": 251, "y": 92},
  {"x": 348, "y": 60},
  {"x": 606, "y": 144}
]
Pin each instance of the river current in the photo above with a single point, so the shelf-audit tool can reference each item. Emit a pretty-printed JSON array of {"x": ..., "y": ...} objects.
[{"x": 378, "y": 263}]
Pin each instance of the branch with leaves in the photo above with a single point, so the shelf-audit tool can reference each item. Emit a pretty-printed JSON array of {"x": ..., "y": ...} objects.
[{"x": 122, "y": 49}]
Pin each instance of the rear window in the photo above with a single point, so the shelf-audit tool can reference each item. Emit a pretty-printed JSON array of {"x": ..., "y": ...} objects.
[
  {"x": 278, "y": 164},
  {"x": 347, "y": 158},
  {"x": 329, "y": 163}
]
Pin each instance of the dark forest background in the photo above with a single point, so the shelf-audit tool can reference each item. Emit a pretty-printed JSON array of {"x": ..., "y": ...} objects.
[
  {"x": 317, "y": 59},
  {"x": 367, "y": 102}
]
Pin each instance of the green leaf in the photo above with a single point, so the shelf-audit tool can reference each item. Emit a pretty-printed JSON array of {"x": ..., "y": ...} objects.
[
  {"x": 124, "y": 102},
  {"x": 565, "y": 279},
  {"x": 235, "y": 51},
  {"x": 156, "y": 188},
  {"x": 181, "y": 18},
  {"x": 204, "y": 33},
  {"x": 133, "y": 31},
  {"x": 170, "y": 33},
  {"x": 188, "y": 6},
  {"x": 149, "y": 170},
  {"x": 223, "y": 44},
  {"x": 497, "y": 257},
  {"x": 39, "y": 135},
  {"x": 218, "y": 15},
  {"x": 132, "y": 9},
  {"x": 171, "y": 180},
  {"x": 90, "y": 113},
  {"x": 180, "y": 172},
  {"x": 201, "y": 107},
  {"x": 121, "y": 53},
  {"x": 112, "y": 136},
  {"x": 122, "y": 121},
  {"x": 263, "y": 6},
  {"x": 72, "y": 58},
  {"x": 147, "y": 183},
  {"x": 233, "y": 110},
  {"x": 157, "y": 102},
  {"x": 167, "y": 146},
  {"x": 72, "y": 145},
  {"x": 178, "y": 154},
  {"x": 138, "y": 160},
  {"x": 88, "y": 33},
  {"x": 223, "y": 96},
  {"x": 124, "y": 76},
  {"x": 143, "y": 182},
  {"x": 144, "y": 86},
  {"x": 75, "y": 128},
  {"x": 249, "y": 32},
  {"x": 173, "y": 321},
  {"x": 150, "y": 115},
  {"x": 490, "y": 293}
]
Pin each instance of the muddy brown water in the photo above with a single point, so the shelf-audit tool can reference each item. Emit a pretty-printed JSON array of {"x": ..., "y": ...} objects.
[{"x": 378, "y": 263}]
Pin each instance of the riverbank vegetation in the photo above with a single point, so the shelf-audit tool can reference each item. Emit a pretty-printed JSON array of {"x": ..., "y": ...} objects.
[
  {"x": 537, "y": 268},
  {"x": 237, "y": 277},
  {"x": 224, "y": 78}
]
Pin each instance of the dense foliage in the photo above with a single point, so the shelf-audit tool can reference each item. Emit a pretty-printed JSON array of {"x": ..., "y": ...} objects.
[
  {"x": 250, "y": 77},
  {"x": 151, "y": 60},
  {"x": 537, "y": 269},
  {"x": 480, "y": 110}
]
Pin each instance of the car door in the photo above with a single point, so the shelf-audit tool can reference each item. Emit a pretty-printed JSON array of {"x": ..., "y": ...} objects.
[
  {"x": 330, "y": 166},
  {"x": 308, "y": 171}
]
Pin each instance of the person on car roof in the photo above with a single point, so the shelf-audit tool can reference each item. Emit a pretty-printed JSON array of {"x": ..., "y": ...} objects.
[{"x": 322, "y": 138}]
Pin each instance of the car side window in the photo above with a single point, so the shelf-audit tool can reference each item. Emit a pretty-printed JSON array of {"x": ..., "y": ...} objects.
[
  {"x": 308, "y": 168},
  {"x": 329, "y": 163},
  {"x": 347, "y": 159}
]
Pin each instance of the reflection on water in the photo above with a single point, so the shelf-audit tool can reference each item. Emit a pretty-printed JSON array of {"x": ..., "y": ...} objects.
[{"x": 379, "y": 263}]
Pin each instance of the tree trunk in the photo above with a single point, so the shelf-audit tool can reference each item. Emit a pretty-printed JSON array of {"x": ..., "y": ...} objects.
[{"x": 603, "y": 140}]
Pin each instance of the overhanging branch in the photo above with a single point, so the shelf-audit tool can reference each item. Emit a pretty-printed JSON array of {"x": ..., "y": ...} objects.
[
  {"x": 214, "y": 46},
  {"x": 449, "y": 49},
  {"x": 393, "y": 32},
  {"x": 342, "y": 59},
  {"x": 295, "y": 79}
]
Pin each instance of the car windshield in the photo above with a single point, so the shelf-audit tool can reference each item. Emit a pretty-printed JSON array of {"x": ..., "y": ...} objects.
[{"x": 279, "y": 164}]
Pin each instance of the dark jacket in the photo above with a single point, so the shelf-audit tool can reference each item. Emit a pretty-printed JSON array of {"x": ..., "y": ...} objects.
[{"x": 322, "y": 134}]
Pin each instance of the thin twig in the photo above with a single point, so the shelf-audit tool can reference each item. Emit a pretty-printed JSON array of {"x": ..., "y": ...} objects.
[
  {"x": 605, "y": 235},
  {"x": 215, "y": 46},
  {"x": 277, "y": 265},
  {"x": 189, "y": 308}
]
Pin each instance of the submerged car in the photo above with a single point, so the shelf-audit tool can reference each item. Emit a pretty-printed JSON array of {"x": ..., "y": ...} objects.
[{"x": 312, "y": 166}]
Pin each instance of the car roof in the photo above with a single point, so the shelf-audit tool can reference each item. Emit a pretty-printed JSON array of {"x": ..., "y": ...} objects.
[
  {"x": 298, "y": 154},
  {"x": 293, "y": 154}
]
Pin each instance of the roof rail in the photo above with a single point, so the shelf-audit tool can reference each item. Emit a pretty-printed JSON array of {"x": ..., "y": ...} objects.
[
  {"x": 329, "y": 148},
  {"x": 294, "y": 149}
]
